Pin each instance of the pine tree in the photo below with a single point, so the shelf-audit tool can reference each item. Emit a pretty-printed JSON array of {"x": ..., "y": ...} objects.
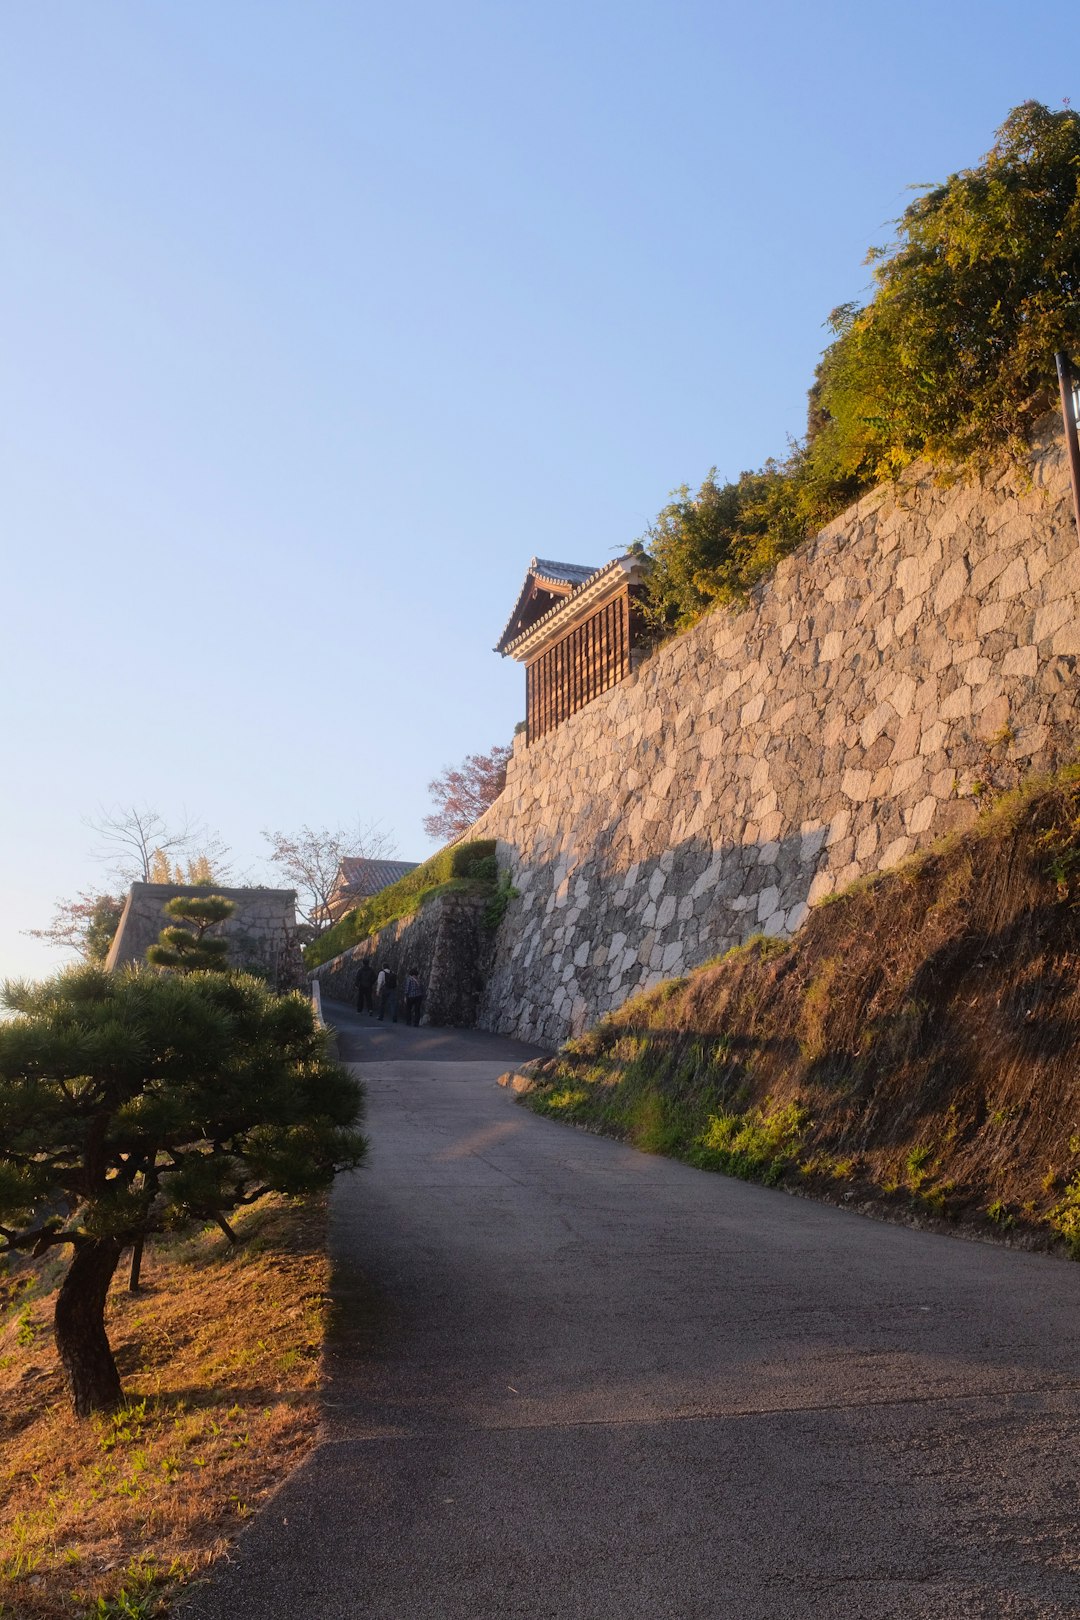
[
  {"x": 133, "y": 1102},
  {"x": 186, "y": 948}
]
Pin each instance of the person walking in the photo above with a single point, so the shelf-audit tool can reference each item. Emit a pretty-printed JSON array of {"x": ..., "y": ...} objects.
[
  {"x": 386, "y": 993},
  {"x": 414, "y": 996},
  {"x": 365, "y": 988}
]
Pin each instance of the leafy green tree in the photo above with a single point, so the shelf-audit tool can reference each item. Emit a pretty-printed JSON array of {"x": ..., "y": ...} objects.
[
  {"x": 133, "y": 1102},
  {"x": 952, "y": 359},
  {"x": 102, "y": 921},
  {"x": 713, "y": 546},
  {"x": 186, "y": 947},
  {"x": 954, "y": 355}
]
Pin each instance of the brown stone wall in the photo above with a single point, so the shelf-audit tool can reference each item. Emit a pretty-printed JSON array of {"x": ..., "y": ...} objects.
[{"x": 923, "y": 646}]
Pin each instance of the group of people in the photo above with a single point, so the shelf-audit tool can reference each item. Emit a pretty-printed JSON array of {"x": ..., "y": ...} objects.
[{"x": 381, "y": 992}]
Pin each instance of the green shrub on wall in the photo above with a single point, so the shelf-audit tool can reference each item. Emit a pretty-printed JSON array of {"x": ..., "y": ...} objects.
[{"x": 463, "y": 866}]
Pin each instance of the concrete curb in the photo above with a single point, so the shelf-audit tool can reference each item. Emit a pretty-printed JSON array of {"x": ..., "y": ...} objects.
[{"x": 519, "y": 1081}]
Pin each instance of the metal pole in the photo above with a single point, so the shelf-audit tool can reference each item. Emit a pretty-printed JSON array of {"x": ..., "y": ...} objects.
[{"x": 1068, "y": 412}]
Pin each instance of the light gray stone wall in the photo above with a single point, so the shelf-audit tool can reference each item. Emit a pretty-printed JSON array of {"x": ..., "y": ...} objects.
[
  {"x": 926, "y": 643},
  {"x": 261, "y": 932}
]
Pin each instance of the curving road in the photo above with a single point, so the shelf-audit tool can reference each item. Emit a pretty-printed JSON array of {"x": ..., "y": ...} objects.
[{"x": 572, "y": 1382}]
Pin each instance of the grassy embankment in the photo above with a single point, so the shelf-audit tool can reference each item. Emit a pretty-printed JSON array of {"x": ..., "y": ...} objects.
[
  {"x": 914, "y": 1050},
  {"x": 219, "y": 1354},
  {"x": 463, "y": 868}
]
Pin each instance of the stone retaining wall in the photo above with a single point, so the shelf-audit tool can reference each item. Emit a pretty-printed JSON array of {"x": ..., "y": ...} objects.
[
  {"x": 922, "y": 648},
  {"x": 261, "y": 932},
  {"x": 447, "y": 945}
]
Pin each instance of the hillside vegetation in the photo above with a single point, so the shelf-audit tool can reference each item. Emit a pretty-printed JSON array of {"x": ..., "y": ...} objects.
[
  {"x": 467, "y": 867},
  {"x": 914, "y": 1047},
  {"x": 951, "y": 360}
]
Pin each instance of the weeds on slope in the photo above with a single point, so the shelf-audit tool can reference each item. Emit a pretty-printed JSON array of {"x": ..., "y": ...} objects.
[{"x": 913, "y": 1049}]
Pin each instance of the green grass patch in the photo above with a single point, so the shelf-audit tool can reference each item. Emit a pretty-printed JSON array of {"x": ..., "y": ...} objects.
[
  {"x": 675, "y": 1095},
  {"x": 756, "y": 1145},
  {"x": 1065, "y": 1217},
  {"x": 467, "y": 868}
]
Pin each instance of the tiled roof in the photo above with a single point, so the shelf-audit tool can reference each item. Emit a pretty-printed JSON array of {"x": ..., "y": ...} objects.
[
  {"x": 632, "y": 563},
  {"x": 364, "y": 878},
  {"x": 560, "y": 573},
  {"x": 542, "y": 571}
]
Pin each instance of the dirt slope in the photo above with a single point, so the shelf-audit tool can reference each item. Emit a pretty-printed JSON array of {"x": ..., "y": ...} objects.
[
  {"x": 914, "y": 1049},
  {"x": 219, "y": 1353}
]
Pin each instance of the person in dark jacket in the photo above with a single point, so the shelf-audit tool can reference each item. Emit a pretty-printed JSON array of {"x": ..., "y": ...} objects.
[
  {"x": 365, "y": 988},
  {"x": 414, "y": 996}
]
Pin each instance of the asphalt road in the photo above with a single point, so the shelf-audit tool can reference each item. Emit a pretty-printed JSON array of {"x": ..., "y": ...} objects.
[{"x": 571, "y": 1382}]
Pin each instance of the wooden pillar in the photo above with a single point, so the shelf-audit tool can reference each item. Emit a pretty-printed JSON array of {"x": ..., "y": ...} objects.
[
  {"x": 541, "y": 718},
  {"x": 558, "y": 714}
]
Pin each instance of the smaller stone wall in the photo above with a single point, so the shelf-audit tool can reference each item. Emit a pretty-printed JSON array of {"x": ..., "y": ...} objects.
[
  {"x": 446, "y": 945},
  {"x": 923, "y": 647},
  {"x": 261, "y": 932}
]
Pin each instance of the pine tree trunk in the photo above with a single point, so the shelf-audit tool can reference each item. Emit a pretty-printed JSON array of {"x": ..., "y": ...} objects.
[
  {"x": 79, "y": 1324},
  {"x": 136, "y": 1265}
]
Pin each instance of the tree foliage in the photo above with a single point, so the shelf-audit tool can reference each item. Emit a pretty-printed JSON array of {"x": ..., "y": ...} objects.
[
  {"x": 713, "y": 546},
  {"x": 952, "y": 359},
  {"x": 133, "y": 1102},
  {"x": 86, "y": 925},
  {"x": 197, "y": 870},
  {"x": 187, "y": 947},
  {"x": 463, "y": 792},
  {"x": 954, "y": 355}
]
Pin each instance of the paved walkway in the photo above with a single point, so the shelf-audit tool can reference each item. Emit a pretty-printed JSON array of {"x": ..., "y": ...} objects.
[{"x": 572, "y": 1382}]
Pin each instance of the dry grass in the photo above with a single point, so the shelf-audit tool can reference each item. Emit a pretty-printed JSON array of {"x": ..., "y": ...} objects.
[
  {"x": 914, "y": 1050},
  {"x": 220, "y": 1360}
]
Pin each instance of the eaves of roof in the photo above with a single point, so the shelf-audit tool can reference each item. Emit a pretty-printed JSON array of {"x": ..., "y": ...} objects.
[
  {"x": 564, "y": 578},
  {"x": 557, "y": 573},
  {"x": 587, "y": 596}
]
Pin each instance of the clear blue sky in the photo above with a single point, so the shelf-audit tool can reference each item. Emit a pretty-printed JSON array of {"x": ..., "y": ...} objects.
[{"x": 320, "y": 319}]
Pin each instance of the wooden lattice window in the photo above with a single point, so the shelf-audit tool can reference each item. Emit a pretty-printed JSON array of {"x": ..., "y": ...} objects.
[{"x": 591, "y": 657}]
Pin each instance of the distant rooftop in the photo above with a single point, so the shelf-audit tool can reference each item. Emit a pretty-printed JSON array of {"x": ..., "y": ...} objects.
[{"x": 363, "y": 878}]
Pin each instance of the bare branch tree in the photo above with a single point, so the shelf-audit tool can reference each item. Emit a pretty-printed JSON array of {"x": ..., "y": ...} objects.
[
  {"x": 311, "y": 860},
  {"x": 138, "y": 842},
  {"x": 463, "y": 792}
]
